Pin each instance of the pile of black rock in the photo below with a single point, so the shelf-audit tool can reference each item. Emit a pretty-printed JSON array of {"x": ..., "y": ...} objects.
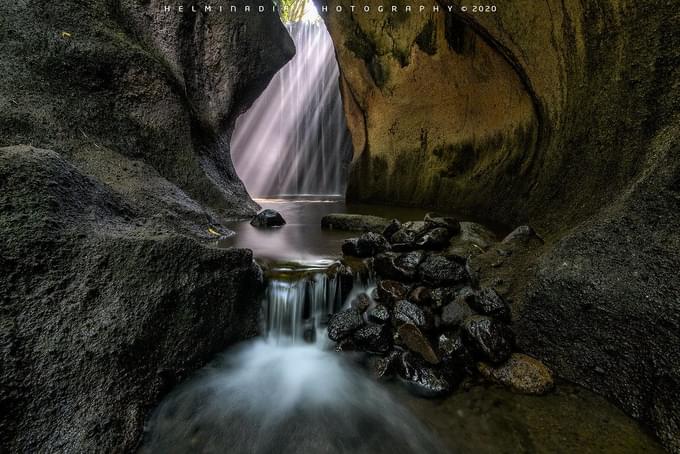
[{"x": 427, "y": 321}]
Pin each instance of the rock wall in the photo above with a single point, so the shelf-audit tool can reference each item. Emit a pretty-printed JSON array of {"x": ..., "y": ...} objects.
[
  {"x": 593, "y": 88},
  {"x": 114, "y": 164}
]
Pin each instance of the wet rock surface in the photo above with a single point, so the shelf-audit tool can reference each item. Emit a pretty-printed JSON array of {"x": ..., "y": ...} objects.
[
  {"x": 429, "y": 322},
  {"x": 268, "y": 218},
  {"x": 354, "y": 222},
  {"x": 521, "y": 373}
]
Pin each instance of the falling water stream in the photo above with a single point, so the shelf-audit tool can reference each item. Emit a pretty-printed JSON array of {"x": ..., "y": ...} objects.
[{"x": 294, "y": 139}]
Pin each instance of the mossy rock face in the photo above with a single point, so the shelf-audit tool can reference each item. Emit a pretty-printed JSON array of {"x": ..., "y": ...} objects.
[{"x": 563, "y": 115}]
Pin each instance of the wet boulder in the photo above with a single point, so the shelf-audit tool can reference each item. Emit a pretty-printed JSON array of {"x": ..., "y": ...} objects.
[
  {"x": 455, "y": 357},
  {"x": 411, "y": 337},
  {"x": 403, "y": 240},
  {"x": 392, "y": 228},
  {"x": 344, "y": 323},
  {"x": 403, "y": 267},
  {"x": 438, "y": 270},
  {"x": 373, "y": 338},
  {"x": 488, "y": 302},
  {"x": 361, "y": 302},
  {"x": 421, "y": 295},
  {"x": 454, "y": 313},
  {"x": 390, "y": 291},
  {"x": 407, "y": 312},
  {"x": 379, "y": 314},
  {"x": 353, "y": 222},
  {"x": 373, "y": 243},
  {"x": 434, "y": 221},
  {"x": 422, "y": 379},
  {"x": 384, "y": 366},
  {"x": 489, "y": 339},
  {"x": 435, "y": 239},
  {"x": 267, "y": 218},
  {"x": 521, "y": 373}
]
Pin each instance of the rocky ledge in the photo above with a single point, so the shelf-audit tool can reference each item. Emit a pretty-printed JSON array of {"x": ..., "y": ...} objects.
[{"x": 428, "y": 321}]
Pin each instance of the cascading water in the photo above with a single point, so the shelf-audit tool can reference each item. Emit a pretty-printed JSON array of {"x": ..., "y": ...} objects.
[
  {"x": 294, "y": 138},
  {"x": 280, "y": 394}
]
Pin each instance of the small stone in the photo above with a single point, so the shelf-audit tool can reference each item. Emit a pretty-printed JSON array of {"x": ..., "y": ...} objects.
[
  {"x": 373, "y": 243},
  {"x": 443, "y": 295},
  {"x": 437, "y": 270},
  {"x": 421, "y": 379},
  {"x": 489, "y": 339},
  {"x": 413, "y": 338},
  {"x": 433, "y": 220},
  {"x": 390, "y": 291},
  {"x": 361, "y": 302},
  {"x": 406, "y": 312},
  {"x": 523, "y": 234},
  {"x": 422, "y": 296},
  {"x": 521, "y": 373},
  {"x": 454, "y": 313},
  {"x": 382, "y": 367},
  {"x": 267, "y": 218},
  {"x": 373, "y": 338},
  {"x": 403, "y": 267},
  {"x": 489, "y": 302},
  {"x": 392, "y": 228},
  {"x": 344, "y": 323},
  {"x": 404, "y": 237},
  {"x": 436, "y": 239},
  {"x": 346, "y": 345},
  {"x": 379, "y": 314}
]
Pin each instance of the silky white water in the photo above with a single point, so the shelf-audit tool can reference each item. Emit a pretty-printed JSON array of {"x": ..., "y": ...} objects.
[{"x": 280, "y": 394}]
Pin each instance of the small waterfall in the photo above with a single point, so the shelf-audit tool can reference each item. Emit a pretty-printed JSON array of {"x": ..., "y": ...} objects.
[
  {"x": 294, "y": 138},
  {"x": 282, "y": 394},
  {"x": 298, "y": 301}
]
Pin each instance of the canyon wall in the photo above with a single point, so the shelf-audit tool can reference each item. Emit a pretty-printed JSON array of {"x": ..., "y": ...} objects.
[
  {"x": 562, "y": 114},
  {"x": 115, "y": 179}
]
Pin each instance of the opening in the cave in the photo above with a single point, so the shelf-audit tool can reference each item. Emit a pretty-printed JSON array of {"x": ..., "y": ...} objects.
[{"x": 294, "y": 141}]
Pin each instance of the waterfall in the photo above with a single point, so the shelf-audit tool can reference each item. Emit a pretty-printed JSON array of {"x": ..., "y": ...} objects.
[
  {"x": 294, "y": 138},
  {"x": 299, "y": 300}
]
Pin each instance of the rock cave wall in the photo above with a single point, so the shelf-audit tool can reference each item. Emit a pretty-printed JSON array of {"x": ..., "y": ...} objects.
[
  {"x": 114, "y": 164},
  {"x": 570, "y": 114}
]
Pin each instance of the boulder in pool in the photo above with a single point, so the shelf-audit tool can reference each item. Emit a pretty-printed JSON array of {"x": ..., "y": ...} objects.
[
  {"x": 521, "y": 373},
  {"x": 354, "y": 222},
  {"x": 268, "y": 218}
]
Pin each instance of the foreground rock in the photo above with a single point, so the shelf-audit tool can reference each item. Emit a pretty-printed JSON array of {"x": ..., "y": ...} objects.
[
  {"x": 268, "y": 218},
  {"x": 521, "y": 373},
  {"x": 104, "y": 310},
  {"x": 354, "y": 222}
]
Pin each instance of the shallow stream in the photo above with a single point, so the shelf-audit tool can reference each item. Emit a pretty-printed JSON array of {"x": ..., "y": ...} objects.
[{"x": 288, "y": 392}]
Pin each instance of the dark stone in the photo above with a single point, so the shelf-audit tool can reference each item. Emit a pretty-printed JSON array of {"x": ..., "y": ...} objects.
[
  {"x": 411, "y": 337},
  {"x": 436, "y": 239},
  {"x": 391, "y": 291},
  {"x": 382, "y": 367},
  {"x": 379, "y": 314},
  {"x": 353, "y": 222},
  {"x": 367, "y": 245},
  {"x": 344, "y": 323},
  {"x": 489, "y": 302},
  {"x": 406, "y": 264},
  {"x": 454, "y": 313},
  {"x": 346, "y": 345},
  {"x": 421, "y": 379},
  {"x": 372, "y": 243},
  {"x": 456, "y": 359},
  {"x": 422, "y": 296},
  {"x": 442, "y": 296},
  {"x": 489, "y": 339},
  {"x": 392, "y": 228},
  {"x": 433, "y": 221},
  {"x": 268, "y": 218},
  {"x": 404, "y": 238},
  {"x": 361, "y": 302},
  {"x": 373, "y": 338},
  {"x": 437, "y": 271},
  {"x": 523, "y": 234},
  {"x": 406, "y": 312}
]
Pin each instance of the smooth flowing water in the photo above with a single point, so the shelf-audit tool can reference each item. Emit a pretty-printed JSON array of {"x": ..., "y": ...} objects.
[
  {"x": 294, "y": 138},
  {"x": 287, "y": 392}
]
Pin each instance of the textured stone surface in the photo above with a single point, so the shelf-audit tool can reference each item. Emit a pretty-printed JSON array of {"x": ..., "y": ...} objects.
[
  {"x": 108, "y": 298},
  {"x": 521, "y": 373}
]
